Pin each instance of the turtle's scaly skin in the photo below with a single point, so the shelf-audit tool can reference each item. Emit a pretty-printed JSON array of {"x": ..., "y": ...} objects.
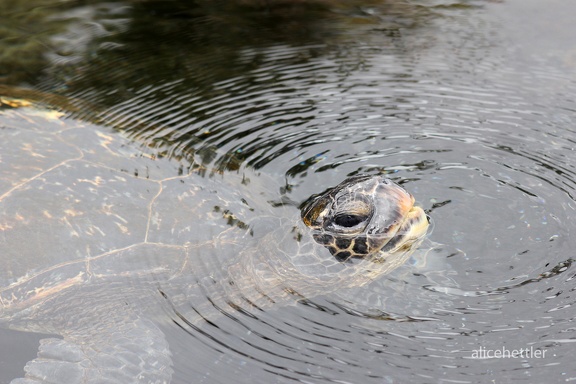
[
  {"x": 97, "y": 235},
  {"x": 365, "y": 216}
]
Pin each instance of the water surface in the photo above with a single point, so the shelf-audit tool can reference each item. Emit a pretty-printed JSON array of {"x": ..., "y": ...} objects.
[{"x": 470, "y": 105}]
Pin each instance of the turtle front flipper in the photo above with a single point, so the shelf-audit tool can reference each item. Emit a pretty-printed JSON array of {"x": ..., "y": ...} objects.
[{"x": 131, "y": 352}]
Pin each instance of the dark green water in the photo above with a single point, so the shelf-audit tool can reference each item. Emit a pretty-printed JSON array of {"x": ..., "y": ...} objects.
[{"x": 470, "y": 105}]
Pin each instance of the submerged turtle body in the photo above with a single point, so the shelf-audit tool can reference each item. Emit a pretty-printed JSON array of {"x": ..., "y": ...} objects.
[{"x": 97, "y": 234}]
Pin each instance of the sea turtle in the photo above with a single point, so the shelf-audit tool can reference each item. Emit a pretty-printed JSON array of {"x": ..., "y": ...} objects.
[{"x": 101, "y": 240}]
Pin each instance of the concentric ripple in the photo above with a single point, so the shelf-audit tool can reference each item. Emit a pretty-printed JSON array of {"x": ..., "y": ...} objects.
[{"x": 433, "y": 95}]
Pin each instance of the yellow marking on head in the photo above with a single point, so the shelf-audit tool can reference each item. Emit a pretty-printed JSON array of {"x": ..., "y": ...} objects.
[
  {"x": 418, "y": 223},
  {"x": 406, "y": 202}
]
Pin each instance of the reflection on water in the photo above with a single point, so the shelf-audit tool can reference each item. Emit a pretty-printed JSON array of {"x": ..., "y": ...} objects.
[
  {"x": 447, "y": 98},
  {"x": 177, "y": 76}
]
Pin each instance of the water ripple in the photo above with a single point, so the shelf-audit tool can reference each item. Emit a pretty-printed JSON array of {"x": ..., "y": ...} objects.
[{"x": 430, "y": 94}]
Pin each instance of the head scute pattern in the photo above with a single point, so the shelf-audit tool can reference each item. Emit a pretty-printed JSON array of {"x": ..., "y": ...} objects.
[{"x": 365, "y": 217}]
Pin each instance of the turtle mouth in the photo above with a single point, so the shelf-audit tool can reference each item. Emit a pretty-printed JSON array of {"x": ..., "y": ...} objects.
[{"x": 411, "y": 231}]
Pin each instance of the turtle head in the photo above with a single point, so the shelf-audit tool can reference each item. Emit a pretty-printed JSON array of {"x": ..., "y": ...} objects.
[{"x": 364, "y": 217}]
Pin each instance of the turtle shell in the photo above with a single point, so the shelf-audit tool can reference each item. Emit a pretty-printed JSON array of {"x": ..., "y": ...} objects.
[
  {"x": 79, "y": 202},
  {"x": 100, "y": 236}
]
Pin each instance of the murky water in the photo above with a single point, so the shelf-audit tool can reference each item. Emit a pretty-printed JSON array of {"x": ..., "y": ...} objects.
[{"x": 470, "y": 105}]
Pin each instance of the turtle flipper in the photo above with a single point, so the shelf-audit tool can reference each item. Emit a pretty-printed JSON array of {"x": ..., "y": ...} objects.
[{"x": 135, "y": 353}]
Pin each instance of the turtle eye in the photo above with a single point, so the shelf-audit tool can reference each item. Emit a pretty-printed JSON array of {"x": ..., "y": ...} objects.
[{"x": 349, "y": 220}]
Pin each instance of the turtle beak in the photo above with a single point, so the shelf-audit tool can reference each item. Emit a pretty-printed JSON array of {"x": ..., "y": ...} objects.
[
  {"x": 411, "y": 231},
  {"x": 418, "y": 222}
]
